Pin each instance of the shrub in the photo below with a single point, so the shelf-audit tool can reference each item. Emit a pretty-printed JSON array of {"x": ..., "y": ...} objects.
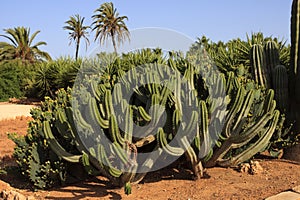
[{"x": 16, "y": 80}]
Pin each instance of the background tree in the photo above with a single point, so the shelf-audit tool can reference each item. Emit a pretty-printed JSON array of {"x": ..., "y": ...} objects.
[
  {"x": 20, "y": 46},
  {"x": 77, "y": 31},
  {"x": 108, "y": 23}
]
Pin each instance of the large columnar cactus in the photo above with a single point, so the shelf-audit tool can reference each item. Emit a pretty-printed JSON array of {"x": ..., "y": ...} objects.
[
  {"x": 295, "y": 36},
  {"x": 280, "y": 85},
  {"x": 271, "y": 54},
  {"x": 260, "y": 70},
  {"x": 294, "y": 64}
]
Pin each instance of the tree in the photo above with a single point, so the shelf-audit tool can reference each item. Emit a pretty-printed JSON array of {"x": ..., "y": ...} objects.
[
  {"x": 77, "y": 31},
  {"x": 21, "y": 46},
  {"x": 108, "y": 23}
]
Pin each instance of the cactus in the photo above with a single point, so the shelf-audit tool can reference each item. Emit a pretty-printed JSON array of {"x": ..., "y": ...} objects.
[
  {"x": 272, "y": 55},
  {"x": 260, "y": 72},
  {"x": 294, "y": 78},
  {"x": 239, "y": 133},
  {"x": 280, "y": 85},
  {"x": 295, "y": 24}
]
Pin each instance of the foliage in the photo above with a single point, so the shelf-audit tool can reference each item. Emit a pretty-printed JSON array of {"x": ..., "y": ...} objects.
[
  {"x": 53, "y": 75},
  {"x": 108, "y": 23},
  {"x": 77, "y": 31},
  {"x": 21, "y": 46},
  {"x": 234, "y": 55},
  {"x": 37, "y": 80},
  {"x": 16, "y": 80}
]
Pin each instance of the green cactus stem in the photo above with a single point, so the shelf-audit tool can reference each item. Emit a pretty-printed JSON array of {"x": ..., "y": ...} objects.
[{"x": 260, "y": 72}]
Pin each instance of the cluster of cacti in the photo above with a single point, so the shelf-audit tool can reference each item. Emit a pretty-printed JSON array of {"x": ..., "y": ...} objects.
[
  {"x": 176, "y": 106},
  {"x": 269, "y": 73}
]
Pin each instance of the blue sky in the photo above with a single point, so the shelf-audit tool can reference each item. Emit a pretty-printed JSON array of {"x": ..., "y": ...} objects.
[{"x": 217, "y": 20}]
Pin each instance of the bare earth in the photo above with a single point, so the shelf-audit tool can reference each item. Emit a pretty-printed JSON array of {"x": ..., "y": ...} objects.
[{"x": 174, "y": 182}]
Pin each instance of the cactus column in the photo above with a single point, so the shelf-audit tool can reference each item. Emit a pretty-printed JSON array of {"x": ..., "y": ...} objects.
[{"x": 295, "y": 62}]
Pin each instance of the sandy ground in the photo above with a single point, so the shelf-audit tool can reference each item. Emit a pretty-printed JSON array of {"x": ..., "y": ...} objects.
[{"x": 10, "y": 111}]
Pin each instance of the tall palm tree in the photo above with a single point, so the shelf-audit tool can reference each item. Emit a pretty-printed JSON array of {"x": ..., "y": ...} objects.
[
  {"x": 21, "y": 46},
  {"x": 108, "y": 23},
  {"x": 77, "y": 31}
]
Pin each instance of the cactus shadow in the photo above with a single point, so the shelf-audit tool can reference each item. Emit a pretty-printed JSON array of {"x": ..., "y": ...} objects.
[
  {"x": 179, "y": 170},
  {"x": 91, "y": 188}
]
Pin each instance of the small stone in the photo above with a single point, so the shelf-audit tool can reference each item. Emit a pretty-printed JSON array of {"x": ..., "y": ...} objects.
[
  {"x": 255, "y": 167},
  {"x": 244, "y": 168}
]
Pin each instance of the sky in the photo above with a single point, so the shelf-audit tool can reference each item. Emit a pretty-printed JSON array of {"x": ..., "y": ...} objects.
[{"x": 216, "y": 19}]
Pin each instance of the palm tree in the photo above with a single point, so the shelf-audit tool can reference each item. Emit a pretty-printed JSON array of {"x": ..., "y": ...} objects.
[
  {"x": 21, "y": 46},
  {"x": 108, "y": 23},
  {"x": 77, "y": 31}
]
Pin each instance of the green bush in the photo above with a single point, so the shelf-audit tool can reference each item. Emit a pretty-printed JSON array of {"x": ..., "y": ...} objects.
[
  {"x": 16, "y": 80},
  {"x": 53, "y": 75},
  {"x": 37, "y": 80}
]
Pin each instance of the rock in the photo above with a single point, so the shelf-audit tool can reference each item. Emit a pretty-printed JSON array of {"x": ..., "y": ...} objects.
[
  {"x": 244, "y": 168},
  {"x": 255, "y": 167},
  {"x": 251, "y": 168}
]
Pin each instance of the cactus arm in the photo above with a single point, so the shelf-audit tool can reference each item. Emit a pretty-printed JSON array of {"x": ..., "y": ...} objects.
[
  {"x": 260, "y": 144},
  {"x": 245, "y": 108},
  {"x": 260, "y": 71},
  {"x": 96, "y": 115},
  {"x": 235, "y": 108},
  {"x": 205, "y": 145},
  {"x": 162, "y": 141},
  {"x": 193, "y": 158},
  {"x": 56, "y": 147}
]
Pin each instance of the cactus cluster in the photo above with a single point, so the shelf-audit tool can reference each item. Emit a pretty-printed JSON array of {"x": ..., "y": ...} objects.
[
  {"x": 177, "y": 106},
  {"x": 269, "y": 73}
]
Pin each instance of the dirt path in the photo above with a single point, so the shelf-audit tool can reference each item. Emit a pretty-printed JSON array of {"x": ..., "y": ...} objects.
[{"x": 10, "y": 111}]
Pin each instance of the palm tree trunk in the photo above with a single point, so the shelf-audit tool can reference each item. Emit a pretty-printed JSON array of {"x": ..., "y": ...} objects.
[
  {"x": 114, "y": 42},
  {"x": 77, "y": 48}
]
